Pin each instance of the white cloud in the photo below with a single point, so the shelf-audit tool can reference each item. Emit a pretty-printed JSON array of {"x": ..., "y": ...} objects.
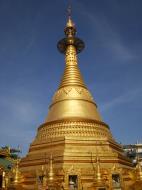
[{"x": 122, "y": 99}]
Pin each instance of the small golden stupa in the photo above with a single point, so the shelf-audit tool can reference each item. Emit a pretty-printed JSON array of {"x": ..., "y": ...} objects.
[{"x": 84, "y": 152}]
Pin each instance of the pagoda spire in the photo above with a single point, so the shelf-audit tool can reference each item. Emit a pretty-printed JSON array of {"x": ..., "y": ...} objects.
[
  {"x": 72, "y": 91},
  {"x": 70, "y": 46}
]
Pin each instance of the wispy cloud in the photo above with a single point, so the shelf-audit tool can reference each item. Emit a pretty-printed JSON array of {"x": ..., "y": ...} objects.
[
  {"x": 19, "y": 108},
  {"x": 19, "y": 119},
  {"x": 107, "y": 35},
  {"x": 122, "y": 99}
]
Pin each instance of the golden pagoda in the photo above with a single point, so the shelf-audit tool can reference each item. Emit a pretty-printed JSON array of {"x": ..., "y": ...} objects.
[{"x": 83, "y": 149}]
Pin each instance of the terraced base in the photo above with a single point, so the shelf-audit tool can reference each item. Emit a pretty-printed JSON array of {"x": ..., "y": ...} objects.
[{"x": 75, "y": 146}]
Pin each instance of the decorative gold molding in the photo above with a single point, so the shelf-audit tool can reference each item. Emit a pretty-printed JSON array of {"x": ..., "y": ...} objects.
[
  {"x": 82, "y": 129},
  {"x": 72, "y": 120}
]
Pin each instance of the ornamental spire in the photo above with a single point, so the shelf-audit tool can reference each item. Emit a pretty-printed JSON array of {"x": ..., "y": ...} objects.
[
  {"x": 72, "y": 92},
  {"x": 51, "y": 173},
  {"x": 70, "y": 46},
  {"x": 70, "y": 23},
  {"x": 70, "y": 39}
]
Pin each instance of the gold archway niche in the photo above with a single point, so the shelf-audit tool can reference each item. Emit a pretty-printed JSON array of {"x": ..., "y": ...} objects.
[{"x": 73, "y": 171}]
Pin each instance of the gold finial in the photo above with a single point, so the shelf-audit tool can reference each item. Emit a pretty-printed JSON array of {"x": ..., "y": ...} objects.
[
  {"x": 51, "y": 173},
  {"x": 70, "y": 30},
  {"x": 98, "y": 170},
  {"x": 69, "y": 22},
  {"x": 16, "y": 178},
  {"x": 70, "y": 36},
  {"x": 3, "y": 179}
]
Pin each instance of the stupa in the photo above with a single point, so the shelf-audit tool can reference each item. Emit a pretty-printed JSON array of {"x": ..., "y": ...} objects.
[{"x": 75, "y": 134}]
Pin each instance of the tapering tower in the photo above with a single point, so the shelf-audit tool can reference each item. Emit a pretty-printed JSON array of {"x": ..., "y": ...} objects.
[
  {"x": 74, "y": 132},
  {"x": 72, "y": 99}
]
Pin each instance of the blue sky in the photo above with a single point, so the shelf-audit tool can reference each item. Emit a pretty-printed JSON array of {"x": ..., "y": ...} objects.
[{"x": 31, "y": 66}]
